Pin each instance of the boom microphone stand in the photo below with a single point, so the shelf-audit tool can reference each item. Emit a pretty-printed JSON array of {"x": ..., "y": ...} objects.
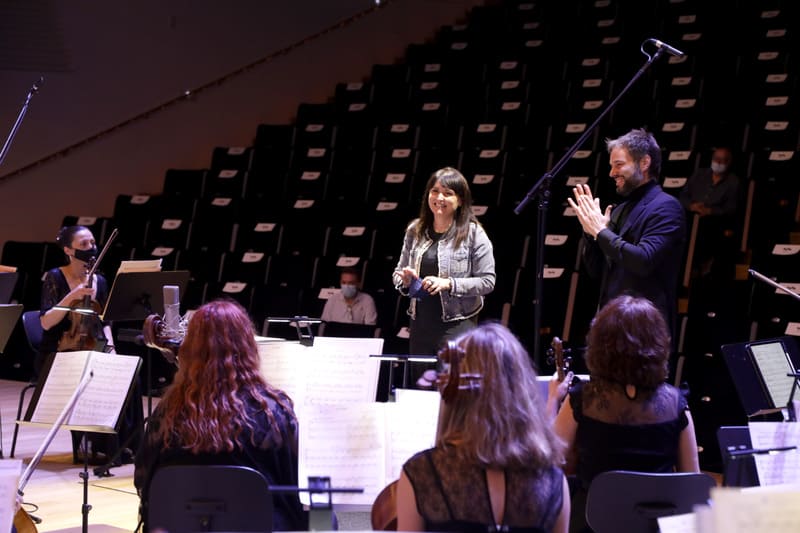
[
  {"x": 21, "y": 115},
  {"x": 541, "y": 188}
]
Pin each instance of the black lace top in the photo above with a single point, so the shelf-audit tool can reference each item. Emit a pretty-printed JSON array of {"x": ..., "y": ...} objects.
[
  {"x": 454, "y": 496},
  {"x": 619, "y": 433}
]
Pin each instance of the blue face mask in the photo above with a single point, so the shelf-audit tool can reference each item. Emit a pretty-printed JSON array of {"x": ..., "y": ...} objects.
[{"x": 348, "y": 291}]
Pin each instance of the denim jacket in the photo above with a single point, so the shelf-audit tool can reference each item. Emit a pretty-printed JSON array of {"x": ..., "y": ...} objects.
[{"x": 470, "y": 268}]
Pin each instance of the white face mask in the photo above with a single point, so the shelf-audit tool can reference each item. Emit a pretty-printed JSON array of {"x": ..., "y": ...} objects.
[
  {"x": 718, "y": 168},
  {"x": 348, "y": 291}
]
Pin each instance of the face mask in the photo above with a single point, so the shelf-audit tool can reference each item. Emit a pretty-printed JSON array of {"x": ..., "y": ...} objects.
[
  {"x": 718, "y": 168},
  {"x": 86, "y": 255},
  {"x": 349, "y": 291}
]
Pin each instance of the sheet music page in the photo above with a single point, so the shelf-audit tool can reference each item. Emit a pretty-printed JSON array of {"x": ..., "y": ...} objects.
[
  {"x": 342, "y": 371},
  {"x": 781, "y": 467},
  {"x": 62, "y": 380},
  {"x": 346, "y": 443},
  {"x": 10, "y": 472},
  {"x": 142, "y": 265},
  {"x": 410, "y": 428},
  {"x": 771, "y": 509},
  {"x": 284, "y": 366},
  {"x": 102, "y": 401}
]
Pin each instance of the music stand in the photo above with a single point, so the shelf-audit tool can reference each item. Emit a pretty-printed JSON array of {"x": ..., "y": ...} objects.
[
  {"x": 8, "y": 280},
  {"x": 9, "y": 314},
  {"x": 405, "y": 359},
  {"x": 135, "y": 295},
  {"x": 759, "y": 371}
]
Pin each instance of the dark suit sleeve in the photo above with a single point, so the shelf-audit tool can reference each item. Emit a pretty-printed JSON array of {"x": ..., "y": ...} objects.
[
  {"x": 593, "y": 257},
  {"x": 662, "y": 232}
]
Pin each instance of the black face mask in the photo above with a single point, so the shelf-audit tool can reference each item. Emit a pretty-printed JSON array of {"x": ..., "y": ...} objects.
[{"x": 86, "y": 255}]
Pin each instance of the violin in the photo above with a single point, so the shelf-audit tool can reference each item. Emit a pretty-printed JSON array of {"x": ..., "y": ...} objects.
[
  {"x": 384, "y": 510},
  {"x": 86, "y": 312},
  {"x": 23, "y": 523},
  {"x": 156, "y": 335}
]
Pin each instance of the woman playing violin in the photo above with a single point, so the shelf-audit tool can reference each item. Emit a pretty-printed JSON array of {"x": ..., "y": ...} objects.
[
  {"x": 68, "y": 286},
  {"x": 495, "y": 466}
]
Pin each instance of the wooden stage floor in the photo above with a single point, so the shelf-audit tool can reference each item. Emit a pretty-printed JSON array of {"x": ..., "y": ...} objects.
[{"x": 55, "y": 487}]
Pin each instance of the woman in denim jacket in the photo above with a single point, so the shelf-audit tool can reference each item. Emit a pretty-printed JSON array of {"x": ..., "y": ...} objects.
[{"x": 446, "y": 265}]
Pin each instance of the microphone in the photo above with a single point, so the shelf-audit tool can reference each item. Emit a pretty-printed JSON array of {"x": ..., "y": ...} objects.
[
  {"x": 667, "y": 48},
  {"x": 172, "y": 312}
]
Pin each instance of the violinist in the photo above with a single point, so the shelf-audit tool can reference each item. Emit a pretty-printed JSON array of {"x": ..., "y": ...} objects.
[
  {"x": 68, "y": 286},
  {"x": 496, "y": 462}
]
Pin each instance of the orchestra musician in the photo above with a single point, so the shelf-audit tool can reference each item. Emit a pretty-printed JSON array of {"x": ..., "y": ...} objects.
[
  {"x": 496, "y": 462},
  {"x": 219, "y": 410},
  {"x": 67, "y": 287}
]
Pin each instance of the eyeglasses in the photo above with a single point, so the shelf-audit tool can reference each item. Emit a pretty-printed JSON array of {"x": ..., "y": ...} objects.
[{"x": 449, "y": 379}]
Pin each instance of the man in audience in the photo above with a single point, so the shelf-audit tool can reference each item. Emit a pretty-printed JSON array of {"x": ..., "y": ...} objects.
[{"x": 350, "y": 305}]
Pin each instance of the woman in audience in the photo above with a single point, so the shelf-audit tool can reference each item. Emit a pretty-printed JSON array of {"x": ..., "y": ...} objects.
[
  {"x": 495, "y": 466},
  {"x": 220, "y": 410},
  {"x": 446, "y": 265},
  {"x": 626, "y": 417}
]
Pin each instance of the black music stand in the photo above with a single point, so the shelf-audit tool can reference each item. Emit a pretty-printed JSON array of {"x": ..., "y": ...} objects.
[
  {"x": 758, "y": 377},
  {"x": 8, "y": 280},
  {"x": 302, "y": 324},
  {"x": 9, "y": 314},
  {"x": 135, "y": 295},
  {"x": 384, "y": 393}
]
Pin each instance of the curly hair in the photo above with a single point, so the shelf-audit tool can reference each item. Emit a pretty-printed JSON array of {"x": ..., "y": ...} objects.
[
  {"x": 629, "y": 343},
  {"x": 500, "y": 421},
  {"x": 455, "y": 180},
  {"x": 639, "y": 143},
  {"x": 204, "y": 408}
]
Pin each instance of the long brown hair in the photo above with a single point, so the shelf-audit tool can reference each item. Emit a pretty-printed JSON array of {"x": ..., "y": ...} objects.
[
  {"x": 499, "y": 419},
  {"x": 204, "y": 410},
  {"x": 455, "y": 180}
]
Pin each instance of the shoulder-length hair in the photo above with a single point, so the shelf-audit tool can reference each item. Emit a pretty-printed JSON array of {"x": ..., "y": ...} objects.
[
  {"x": 204, "y": 410},
  {"x": 629, "y": 343},
  {"x": 455, "y": 180},
  {"x": 498, "y": 421}
]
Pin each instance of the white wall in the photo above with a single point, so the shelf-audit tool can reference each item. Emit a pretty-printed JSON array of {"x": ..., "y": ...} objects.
[{"x": 126, "y": 57}]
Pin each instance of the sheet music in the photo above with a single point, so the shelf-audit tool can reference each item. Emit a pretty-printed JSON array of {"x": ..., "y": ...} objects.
[
  {"x": 342, "y": 370},
  {"x": 782, "y": 467},
  {"x": 773, "y": 364},
  {"x": 69, "y": 367},
  {"x": 104, "y": 397},
  {"x": 143, "y": 265},
  {"x": 10, "y": 471},
  {"x": 345, "y": 443},
  {"x": 101, "y": 403},
  {"x": 410, "y": 428},
  {"x": 283, "y": 365},
  {"x": 770, "y": 509}
]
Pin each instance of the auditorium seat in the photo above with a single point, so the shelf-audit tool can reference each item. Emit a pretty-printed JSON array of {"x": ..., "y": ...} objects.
[
  {"x": 131, "y": 213},
  {"x": 184, "y": 182},
  {"x": 231, "y": 158},
  {"x": 250, "y": 266}
]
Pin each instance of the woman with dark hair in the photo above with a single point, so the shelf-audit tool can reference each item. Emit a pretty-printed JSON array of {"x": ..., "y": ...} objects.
[
  {"x": 496, "y": 463},
  {"x": 446, "y": 265},
  {"x": 626, "y": 417},
  {"x": 219, "y": 410},
  {"x": 65, "y": 285}
]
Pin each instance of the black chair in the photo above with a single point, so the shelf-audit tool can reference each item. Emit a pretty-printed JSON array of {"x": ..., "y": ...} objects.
[
  {"x": 627, "y": 501},
  {"x": 190, "y": 498},
  {"x": 33, "y": 332}
]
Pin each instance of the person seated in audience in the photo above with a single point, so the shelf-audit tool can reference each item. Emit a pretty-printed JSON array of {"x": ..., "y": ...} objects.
[
  {"x": 713, "y": 194},
  {"x": 625, "y": 417},
  {"x": 496, "y": 462},
  {"x": 350, "y": 305},
  {"x": 220, "y": 410}
]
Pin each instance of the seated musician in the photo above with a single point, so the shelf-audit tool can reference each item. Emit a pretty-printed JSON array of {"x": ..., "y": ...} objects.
[
  {"x": 496, "y": 463},
  {"x": 69, "y": 286},
  {"x": 626, "y": 417},
  {"x": 220, "y": 410}
]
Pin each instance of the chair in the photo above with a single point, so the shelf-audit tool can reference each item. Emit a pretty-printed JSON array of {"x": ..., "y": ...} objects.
[
  {"x": 184, "y": 498},
  {"x": 33, "y": 332},
  {"x": 620, "y": 500}
]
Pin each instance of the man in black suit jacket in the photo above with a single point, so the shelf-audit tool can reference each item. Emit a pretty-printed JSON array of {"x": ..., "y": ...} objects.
[{"x": 635, "y": 247}]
